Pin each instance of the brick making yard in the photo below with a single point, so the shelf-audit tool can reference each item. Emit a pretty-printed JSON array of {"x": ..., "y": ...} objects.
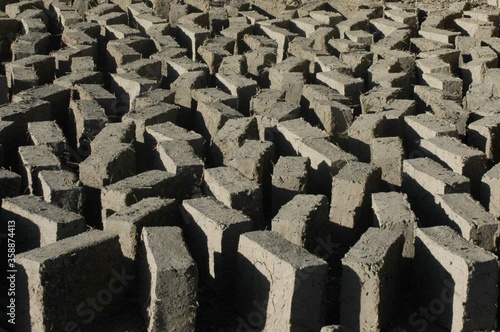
[{"x": 250, "y": 165}]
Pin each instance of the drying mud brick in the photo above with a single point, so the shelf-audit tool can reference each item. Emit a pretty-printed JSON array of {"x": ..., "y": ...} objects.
[
  {"x": 469, "y": 219},
  {"x": 108, "y": 163},
  {"x": 350, "y": 211},
  {"x": 114, "y": 133},
  {"x": 238, "y": 86},
  {"x": 212, "y": 232},
  {"x": 274, "y": 277},
  {"x": 304, "y": 221},
  {"x": 73, "y": 258},
  {"x": 370, "y": 281},
  {"x": 40, "y": 223},
  {"x": 211, "y": 117},
  {"x": 32, "y": 160},
  {"x": 363, "y": 130},
  {"x": 393, "y": 212},
  {"x": 236, "y": 191},
  {"x": 458, "y": 157},
  {"x": 168, "y": 131},
  {"x": 289, "y": 179},
  {"x": 254, "y": 160},
  {"x": 459, "y": 275},
  {"x": 131, "y": 190},
  {"x": 129, "y": 222},
  {"x": 490, "y": 191},
  {"x": 424, "y": 126},
  {"x": 388, "y": 154},
  {"x": 231, "y": 137},
  {"x": 87, "y": 118},
  {"x": 49, "y": 134},
  {"x": 425, "y": 179},
  {"x": 61, "y": 188},
  {"x": 168, "y": 284},
  {"x": 484, "y": 134},
  {"x": 178, "y": 157}
]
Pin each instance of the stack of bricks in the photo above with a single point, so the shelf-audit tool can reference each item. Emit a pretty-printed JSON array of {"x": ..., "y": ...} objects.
[{"x": 251, "y": 165}]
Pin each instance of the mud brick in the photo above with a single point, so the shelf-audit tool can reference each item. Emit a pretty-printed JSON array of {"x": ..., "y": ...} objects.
[
  {"x": 30, "y": 44},
  {"x": 470, "y": 219},
  {"x": 363, "y": 130},
  {"x": 264, "y": 99},
  {"x": 350, "y": 212},
  {"x": 461, "y": 274},
  {"x": 457, "y": 156},
  {"x": 65, "y": 57},
  {"x": 73, "y": 257},
  {"x": 96, "y": 92},
  {"x": 490, "y": 191},
  {"x": 478, "y": 94},
  {"x": 335, "y": 328},
  {"x": 218, "y": 19},
  {"x": 167, "y": 131},
  {"x": 291, "y": 83},
  {"x": 238, "y": 86},
  {"x": 449, "y": 56},
  {"x": 160, "y": 34},
  {"x": 377, "y": 98},
  {"x": 22, "y": 78},
  {"x": 395, "y": 113},
  {"x": 39, "y": 223},
  {"x": 113, "y": 133},
  {"x": 168, "y": 288},
  {"x": 489, "y": 108},
  {"x": 431, "y": 66},
  {"x": 14, "y": 9},
  {"x": 260, "y": 284},
  {"x": 444, "y": 82},
  {"x": 360, "y": 37},
  {"x": 453, "y": 113},
  {"x": 254, "y": 42},
  {"x": 321, "y": 38},
  {"x": 423, "y": 180},
  {"x": 9, "y": 28},
  {"x": 234, "y": 190},
  {"x": 127, "y": 87},
  {"x": 333, "y": 117},
  {"x": 99, "y": 10},
  {"x": 313, "y": 92},
  {"x": 130, "y": 190},
  {"x": 473, "y": 72},
  {"x": 421, "y": 44},
  {"x": 423, "y": 126},
  {"x": 281, "y": 36},
  {"x": 303, "y": 221},
  {"x": 402, "y": 16},
  {"x": 439, "y": 35},
  {"x": 10, "y": 183},
  {"x": 378, "y": 289},
  {"x": 205, "y": 218},
  {"x": 82, "y": 64},
  {"x": 254, "y": 160},
  {"x": 57, "y": 96},
  {"x": 107, "y": 164},
  {"x": 118, "y": 54},
  {"x": 388, "y": 153},
  {"x": 291, "y": 134},
  {"x": 392, "y": 211},
  {"x": 110, "y": 19},
  {"x": 347, "y": 85},
  {"x": 427, "y": 96},
  {"x": 181, "y": 65},
  {"x": 231, "y": 137},
  {"x": 289, "y": 179},
  {"x": 340, "y": 46},
  {"x": 212, "y": 52},
  {"x": 178, "y": 157},
  {"x": 199, "y": 19},
  {"x": 33, "y": 159},
  {"x": 49, "y": 134},
  {"x": 474, "y": 28},
  {"x": 237, "y": 32},
  {"x": 259, "y": 60},
  {"x": 153, "y": 97},
  {"x": 192, "y": 37},
  {"x": 482, "y": 15},
  {"x": 129, "y": 222},
  {"x": 25, "y": 111},
  {"x": 61, "y": 188},
  {"x": 302, "y": 48},
  {"x": 72, "y": 38},
  {"x": 146, "y": 21},
  {"x": 214, "y": 95},
  {"x": 158, "y": 113},
  {"x": 486, "y": 53},
  {"x": 87, "y": 118},
  {"x": 351, "y": 24},
  {"x": 397, "y": 40},
  {"x": 384, "y": 27},
  {"x": 173, "y": 11},
  {"x": 305, "y": 26},
  {"x": 268, "y": 116},
  {"x": 119, "y": 31},
  {"x": 484, "y": 133},
  {"x": 326, "y": 17},
  {"x": 211, "y": 117},
  {"x": 43, "y": 65}
]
